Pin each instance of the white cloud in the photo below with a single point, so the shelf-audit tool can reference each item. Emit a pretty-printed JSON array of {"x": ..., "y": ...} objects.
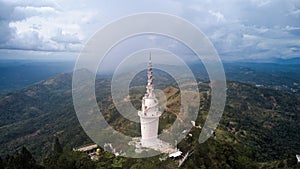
[
  {"x": 238, "y": 29},
  {"x": 63, "y": 37},
  {"x": 261, "y": 3},
  {"x": 252, "y": 29},
  {"x": 32, "y": 25},
  {"x": 220, "y": 17},
  {"x": 21, "y": 12}
]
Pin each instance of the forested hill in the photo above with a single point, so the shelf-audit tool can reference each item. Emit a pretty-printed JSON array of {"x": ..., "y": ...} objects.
[{"x": 259, "y": 126}]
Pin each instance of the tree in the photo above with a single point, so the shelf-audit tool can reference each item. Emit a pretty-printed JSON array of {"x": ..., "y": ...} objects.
[
  {"x": 66, "y": 159},
  {"x": 292, "y": 161},
  {"x": 57, "y": 148},
  {"x": 51, "y": 161},
  {"x": 23, "y": 160},
  {"x": 1, "y": 163},
  {"x": 26, "y": 157}
]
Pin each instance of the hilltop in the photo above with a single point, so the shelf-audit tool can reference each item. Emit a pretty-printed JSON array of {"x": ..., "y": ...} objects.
[{"x": 259, "y": 126}]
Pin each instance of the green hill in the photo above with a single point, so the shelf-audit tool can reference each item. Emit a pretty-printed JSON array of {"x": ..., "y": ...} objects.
[{"x": 259, "y": 128}]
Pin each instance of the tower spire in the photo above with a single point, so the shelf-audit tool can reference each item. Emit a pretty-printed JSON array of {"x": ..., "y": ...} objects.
[{"x": 149, "y": 87}]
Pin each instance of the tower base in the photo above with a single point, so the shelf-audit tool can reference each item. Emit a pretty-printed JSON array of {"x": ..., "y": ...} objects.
[{"x": 155, "y": 144}]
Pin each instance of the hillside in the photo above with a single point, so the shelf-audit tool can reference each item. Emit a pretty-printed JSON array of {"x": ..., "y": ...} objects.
[
  {"x": 35, "y": 114},
  {"x": 259, "y": 126}
]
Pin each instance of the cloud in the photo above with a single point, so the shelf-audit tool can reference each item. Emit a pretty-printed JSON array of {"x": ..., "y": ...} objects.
[
  {"x": 238, "y": 29},
  {"x": 27, "y": 40},
  {"x": 22, "y": 12},
  {"x": 6, "y": 32},
  {"x": 249, "y": 29},
  {"x": 62, "y": 37},
  {"x": 261, "y": 3},
  {"x": 220, "y": 17},
  {"x": 41, "y": 25}
]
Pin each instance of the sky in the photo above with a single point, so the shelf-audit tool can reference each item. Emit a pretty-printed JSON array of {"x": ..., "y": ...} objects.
[{"x": 239, "y": 29}]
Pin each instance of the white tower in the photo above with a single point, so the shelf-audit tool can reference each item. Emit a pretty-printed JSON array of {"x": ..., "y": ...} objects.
[{"x": 149, "y": 115}]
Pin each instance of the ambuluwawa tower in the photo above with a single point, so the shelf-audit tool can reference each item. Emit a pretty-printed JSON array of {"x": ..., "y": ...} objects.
[{"x": 149, "y": 114}]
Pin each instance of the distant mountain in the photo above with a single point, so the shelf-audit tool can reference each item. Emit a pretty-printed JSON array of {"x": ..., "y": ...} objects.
[
  {"x": 286, "y": 61},
  {"x": 17, "y": 74},
  {"x": 277, "y": 76},
  {"x": 275, "y": 73},
  {"x": 259, "y": 126},
  {"x": 295, "y": 60}
]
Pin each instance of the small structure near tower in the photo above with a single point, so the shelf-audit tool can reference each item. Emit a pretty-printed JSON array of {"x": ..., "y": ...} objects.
[{"x": 149, "y": 114}]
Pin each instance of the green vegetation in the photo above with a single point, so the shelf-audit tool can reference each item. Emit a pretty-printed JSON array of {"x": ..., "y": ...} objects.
[
  {"x": 56, "y": 159},
  {"x": 259, "y": 128},
  {"x": 23, "y": 159}
]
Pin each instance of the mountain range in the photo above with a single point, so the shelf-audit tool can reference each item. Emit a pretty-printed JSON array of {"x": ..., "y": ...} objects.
[{"x": 259, "y": 127}]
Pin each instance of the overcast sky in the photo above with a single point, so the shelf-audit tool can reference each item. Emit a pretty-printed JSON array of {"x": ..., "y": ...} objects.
[{"x": 239, "y": 29}]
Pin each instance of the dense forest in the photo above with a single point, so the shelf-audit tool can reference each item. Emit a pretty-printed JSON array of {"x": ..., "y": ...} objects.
[{"x": 258, "y": 128}]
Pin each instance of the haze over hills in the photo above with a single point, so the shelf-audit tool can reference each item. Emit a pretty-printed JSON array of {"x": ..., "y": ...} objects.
[
  {"x": 259, "y": 126},
  {"x": 295, "y": 60},
  {"x": 17, "y": 74},
  {"x": 274, "y": 73},
  {"x": 277, "y": 75}
]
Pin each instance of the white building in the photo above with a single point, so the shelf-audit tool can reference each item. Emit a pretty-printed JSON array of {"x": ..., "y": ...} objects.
[{"x": 149, "y": 114}]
